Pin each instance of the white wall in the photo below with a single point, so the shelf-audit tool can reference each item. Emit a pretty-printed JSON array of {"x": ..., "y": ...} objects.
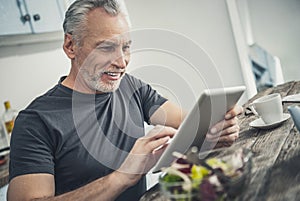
[
  {"x": 29, "y": 70},
  {"x": 203, "y": 23},
  {"x": 276, "y": 27}
]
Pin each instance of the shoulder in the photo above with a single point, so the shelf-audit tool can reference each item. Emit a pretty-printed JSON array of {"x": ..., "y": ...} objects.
[
  {"x": 44, "y": 109},
  {"x": 54, "y": 98},
  {"x": 130, "y": 79},
  {"x": 130, "y": 84}
]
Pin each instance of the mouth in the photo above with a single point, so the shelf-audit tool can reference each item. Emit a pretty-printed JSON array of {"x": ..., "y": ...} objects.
[{"x": 113, "y": 75}]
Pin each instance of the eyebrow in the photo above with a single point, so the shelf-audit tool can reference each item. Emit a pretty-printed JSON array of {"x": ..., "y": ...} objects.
[{"x": 107, "y": 42}]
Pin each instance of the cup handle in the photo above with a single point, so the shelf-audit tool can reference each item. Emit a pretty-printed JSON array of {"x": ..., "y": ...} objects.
[{"x": 251, "y": 107}]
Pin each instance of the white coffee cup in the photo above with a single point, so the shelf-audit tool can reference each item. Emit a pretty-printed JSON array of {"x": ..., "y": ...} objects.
[{"x": 268, "y": 107}]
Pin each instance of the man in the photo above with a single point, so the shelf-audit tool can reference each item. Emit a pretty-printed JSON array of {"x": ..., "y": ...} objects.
[{"x": 72, "y": 142}]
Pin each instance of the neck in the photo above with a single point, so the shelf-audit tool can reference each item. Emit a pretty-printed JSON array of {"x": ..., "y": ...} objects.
[{"x": 77, "y": 83}]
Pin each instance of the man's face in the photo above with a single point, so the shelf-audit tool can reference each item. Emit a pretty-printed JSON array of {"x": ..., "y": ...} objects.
[{"x": 104, "y": 52}]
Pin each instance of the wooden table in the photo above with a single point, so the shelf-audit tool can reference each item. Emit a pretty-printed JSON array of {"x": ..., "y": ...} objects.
[{"x": 276, "y": 161}]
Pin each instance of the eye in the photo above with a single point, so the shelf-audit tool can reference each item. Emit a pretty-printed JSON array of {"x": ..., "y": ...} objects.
[
  {"x": 126, "y": 48},
  {"x": 107, "y": 48}
]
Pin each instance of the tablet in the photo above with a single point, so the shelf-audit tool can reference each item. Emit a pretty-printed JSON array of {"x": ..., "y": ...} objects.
[{"x": 209, "y": 109}]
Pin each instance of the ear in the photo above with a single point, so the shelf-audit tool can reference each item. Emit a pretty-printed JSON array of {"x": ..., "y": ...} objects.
[{"x": 68, "y": 46}]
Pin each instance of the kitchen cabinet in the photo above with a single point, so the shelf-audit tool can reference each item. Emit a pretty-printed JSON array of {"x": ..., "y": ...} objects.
[
  {"x": 30, "y": 16},
  {"x": 12, "y": 19}
]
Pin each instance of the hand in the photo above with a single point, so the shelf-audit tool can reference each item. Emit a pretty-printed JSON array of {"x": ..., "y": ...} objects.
[
  {"x": 145, "y": 152},
  {"x": 225, "y": 132}
]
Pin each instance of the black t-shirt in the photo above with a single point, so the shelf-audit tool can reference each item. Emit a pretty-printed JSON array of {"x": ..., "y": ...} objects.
[{"x": 81, "y": 137}]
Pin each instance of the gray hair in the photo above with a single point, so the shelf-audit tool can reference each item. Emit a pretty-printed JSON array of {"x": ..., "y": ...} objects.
[{"x": 76, "y": 15}]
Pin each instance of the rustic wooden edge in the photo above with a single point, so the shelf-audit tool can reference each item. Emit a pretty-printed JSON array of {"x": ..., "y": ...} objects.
[{"x": 279, "y": 137}]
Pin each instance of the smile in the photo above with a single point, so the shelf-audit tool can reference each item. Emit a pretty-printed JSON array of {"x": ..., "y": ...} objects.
[{"x": 113, "y": 75}]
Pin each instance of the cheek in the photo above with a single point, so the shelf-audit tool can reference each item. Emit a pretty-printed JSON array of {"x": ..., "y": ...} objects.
[
  {"x": 94, "y": 62},
  {"x": 127, "y": 57},
  {"x": 80, "y": 57}
]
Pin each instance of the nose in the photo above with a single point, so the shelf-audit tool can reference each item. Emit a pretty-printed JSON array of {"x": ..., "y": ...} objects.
[{"x": 120, "y": 60}]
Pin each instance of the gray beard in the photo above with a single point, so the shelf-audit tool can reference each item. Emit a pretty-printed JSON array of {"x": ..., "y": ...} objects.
[{"x": 95, "y": 83}]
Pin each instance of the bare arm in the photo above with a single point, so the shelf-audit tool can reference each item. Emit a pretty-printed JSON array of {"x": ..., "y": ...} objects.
[
  {"x": 168, "y": 114},
  {"x": 140, "y": 160},
  {"x": 42, "y": 187}
]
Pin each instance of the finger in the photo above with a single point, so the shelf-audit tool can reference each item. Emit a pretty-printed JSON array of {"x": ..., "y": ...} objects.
[
  {"x": 160, "y": 131},
  {"x": 156, "y": 144},
  {"x": 228, "y": 131},
  {"x": 236, "y": 110},
  {"x": 144, "y": 146},
  {"x": 225, "y": 138},
  {"x": 229, "y": 138},
  {"x": 224, "y": 124},
  {"x": 223, "y": 144},
  {"x": 157, "y": 152}
]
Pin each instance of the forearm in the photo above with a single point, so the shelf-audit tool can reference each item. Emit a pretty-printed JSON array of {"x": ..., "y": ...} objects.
[
  {"x": 168, "y": 114},
  {"x": 106, "y": 188}
]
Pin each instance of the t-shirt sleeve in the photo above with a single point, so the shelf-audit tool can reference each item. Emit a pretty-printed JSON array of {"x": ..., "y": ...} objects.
[
  {"x": 31, "y": 146},
  {"x": 150, "y": 99}
]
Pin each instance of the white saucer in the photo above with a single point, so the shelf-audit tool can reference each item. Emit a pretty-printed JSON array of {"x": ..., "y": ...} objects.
[{"x": 258, "y": 123}]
